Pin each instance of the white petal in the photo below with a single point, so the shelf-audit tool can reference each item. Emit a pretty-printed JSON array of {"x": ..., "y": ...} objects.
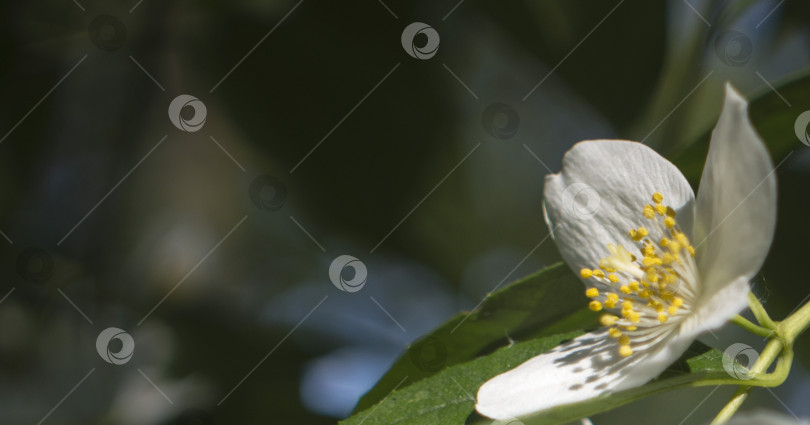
[
  {"x": 600, "y": 193},
  {"x": 764, "y": 417},
  {"x": 716, "y": 310},
  {"x": 584, "y": 368},
  {"x": 736, "y": 204}
]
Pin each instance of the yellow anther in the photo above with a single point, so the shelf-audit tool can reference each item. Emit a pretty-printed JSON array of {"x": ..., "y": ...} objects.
[
  {"x": 649, "y": 251},
  {"x": 660, "y": 209},
  {"x": 598, "y": 273},
  {"x": 677, "y": 301},
  {"x": 645, "y": 293},
  {"x": 635, "y": 317},
  {"x": 651, "y": 261},
  {"x": 613, "y": 278},
  {"x": 634, "y": 286},
  {"x": 630, "y": 328},
  {"x": 625, "y": 289},
  {"x": 627, "y": 305},
  {"x": 625, "y": 351},
  {"x": 652, "y": 276},
  {"x": 624, "y": 340},
  {"x": 639, "y": 234},
  {"x": 667, "y": 258},
  {"x": 586, "y": 273},
  {"x": 682, "y": 239},
  {"x": 672, "y": 310},
  {"x": 657, "y": 197},
  {"x": 663, "y": 318},
  {"x": 610, "y": 303},
  {"x": 670, "y": 212},
  {"x": 691, "y": 250},
  {"x": 648, "y": 211},
  {"x": 614, "y": 333},
  {"x": 595, "y": 306},
  {"x": 669, "y": 222},
  {"x": 608, "y": 320},
  {"x": 669, "y": 278},
  {"x": 659, "y": 308},
  {"x": 591, "y": 292},
  {"x": 664, "y": 242},
  {"x": 674, "y": 247}
]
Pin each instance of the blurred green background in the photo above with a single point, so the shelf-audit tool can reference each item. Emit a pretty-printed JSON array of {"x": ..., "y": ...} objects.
[{"x": 430, "y": 171}]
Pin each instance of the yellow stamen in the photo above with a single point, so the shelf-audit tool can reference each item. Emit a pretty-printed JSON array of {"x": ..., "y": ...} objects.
[
  {"x": 608, "y": 320},
  {"x": 646, "y": 288}
]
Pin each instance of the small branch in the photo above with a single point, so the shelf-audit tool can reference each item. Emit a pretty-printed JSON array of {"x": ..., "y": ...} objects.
[
  {"x": 759, "y": 312},
  {"x": 751, "y": 327}
]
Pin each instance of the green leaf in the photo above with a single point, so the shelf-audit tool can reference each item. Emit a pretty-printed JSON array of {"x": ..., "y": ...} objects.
[
  {"x": 548, "y": 302},
  {"x": 773, "y": 119},
  {"x": 448, "y": 398}
]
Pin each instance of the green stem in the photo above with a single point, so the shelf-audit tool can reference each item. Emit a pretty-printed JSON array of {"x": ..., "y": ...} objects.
[
  {"x": 767, "y": 357},
  {"x": 751, "y": 327},
  {"x": 797, "y": 323},
  {"x": 731, "y": 407},
  {"x": 759, "y": 312},
  {"x": 782, "y": 336}
]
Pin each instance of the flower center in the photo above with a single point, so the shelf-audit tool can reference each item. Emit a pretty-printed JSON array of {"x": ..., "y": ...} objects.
[{"x": 644, "y": 294}]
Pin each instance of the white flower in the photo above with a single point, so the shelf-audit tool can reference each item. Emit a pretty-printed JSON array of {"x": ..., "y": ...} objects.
[
  {"x": 764, "y": 417},
  {"x": 661, "y": 265}
]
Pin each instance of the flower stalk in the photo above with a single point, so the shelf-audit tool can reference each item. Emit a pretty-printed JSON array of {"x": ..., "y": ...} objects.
[{"x": 780, "y": 347}]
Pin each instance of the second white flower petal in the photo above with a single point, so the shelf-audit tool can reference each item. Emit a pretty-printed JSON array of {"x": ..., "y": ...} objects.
[{"x": 736, "y": 204}]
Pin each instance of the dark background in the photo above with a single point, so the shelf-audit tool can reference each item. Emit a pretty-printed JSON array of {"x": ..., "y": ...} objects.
[{"x": 438, "y": 197}]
